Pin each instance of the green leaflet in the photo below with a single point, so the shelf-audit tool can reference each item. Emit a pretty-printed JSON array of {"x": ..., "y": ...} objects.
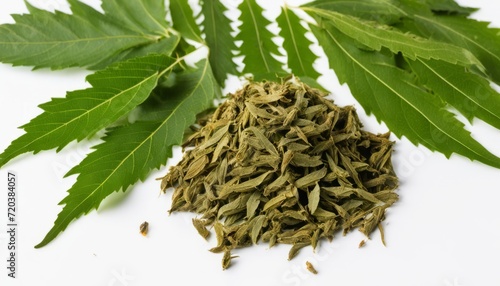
[
  {"x": 85, "y": 38},
  {"x": 469, "y": 93},
  {"x": 388, "y": 92},
  {"x": 469, "y": 34},
  {"x": 300, "y": 57},
  {"x": 373, "y": 10},
  {"x": 184, "y": 21},
  {"x": 257, "y": 47},
  {"x": 130, "y": 152},
  {"x": 139, "y": 16},
  {"x": 115, "y": 92},
  {"x": 376, "y": 36},
  {"x": 219, "y": 40}
]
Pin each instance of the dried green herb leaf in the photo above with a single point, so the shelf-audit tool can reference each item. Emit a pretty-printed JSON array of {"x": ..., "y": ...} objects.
[
  {"x": 236, "y": 206},
  {"x": 257, "y": 227},
  {"x": 252, "y": 204},
  {"x": 311, "y": 178},
  {"x": 245, "y": 186},
  {"x": 311, "y": 268},
  {"x": 201, "y": 228},
  {"x": 295, "y": 249},
  {"x": 196, "y": 167},
  {"x": 226, "y": 260},
  {"x": 263, "y": 139},
  {"x": 313, "y": 199}
]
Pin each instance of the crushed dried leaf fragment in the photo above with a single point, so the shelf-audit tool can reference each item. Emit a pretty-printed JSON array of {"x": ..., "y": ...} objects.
[
  {"x": 362, "y": 243},
  {"x": 144, "y": 228},
  {"x": 226, "y": 259},
  {"x": 311, "y": 268}
]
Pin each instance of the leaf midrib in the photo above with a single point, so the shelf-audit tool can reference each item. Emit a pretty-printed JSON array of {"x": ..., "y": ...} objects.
[{"x": 152, "y": 38}]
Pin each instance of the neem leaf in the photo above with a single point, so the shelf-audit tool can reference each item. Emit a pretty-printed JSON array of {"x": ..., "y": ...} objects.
[
  {"x": 313, "y": 199},
  {"x": 300, "y": 57},
  {"x": 258, "y": 47},
  {"x": 219, "y": 40},
  {"x": 376, "y": 36},
  {"x": 130, "y": 152},
  {"x": 389, "y": 93},
  {"x": 115, "y": 92},
  {"x": 468, "y": 92},
  {"x": 58, "y": 40},
  {"x": 183, "y": 20}
]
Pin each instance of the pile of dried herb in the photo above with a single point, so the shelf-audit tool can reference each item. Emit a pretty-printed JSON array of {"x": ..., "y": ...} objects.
[{"x": 282, "y": 164}]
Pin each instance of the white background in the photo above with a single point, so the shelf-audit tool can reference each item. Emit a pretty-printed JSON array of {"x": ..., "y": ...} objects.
[{"x": 444, "y": 230}]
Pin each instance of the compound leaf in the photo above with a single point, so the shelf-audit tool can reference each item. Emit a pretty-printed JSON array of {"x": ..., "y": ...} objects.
[
  {"x": 130, "y": 152},
  {"x": 390, "y": 94}
]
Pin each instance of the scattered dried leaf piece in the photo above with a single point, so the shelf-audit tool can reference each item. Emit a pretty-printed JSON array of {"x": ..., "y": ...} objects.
[
  {"x": 200, "y": 227},
  {"x": 144, "y": 228},
  {"x": 362, "y": 243},
  {"x": 226, "y": 259},
  {"x": 311, "y": 268}
]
